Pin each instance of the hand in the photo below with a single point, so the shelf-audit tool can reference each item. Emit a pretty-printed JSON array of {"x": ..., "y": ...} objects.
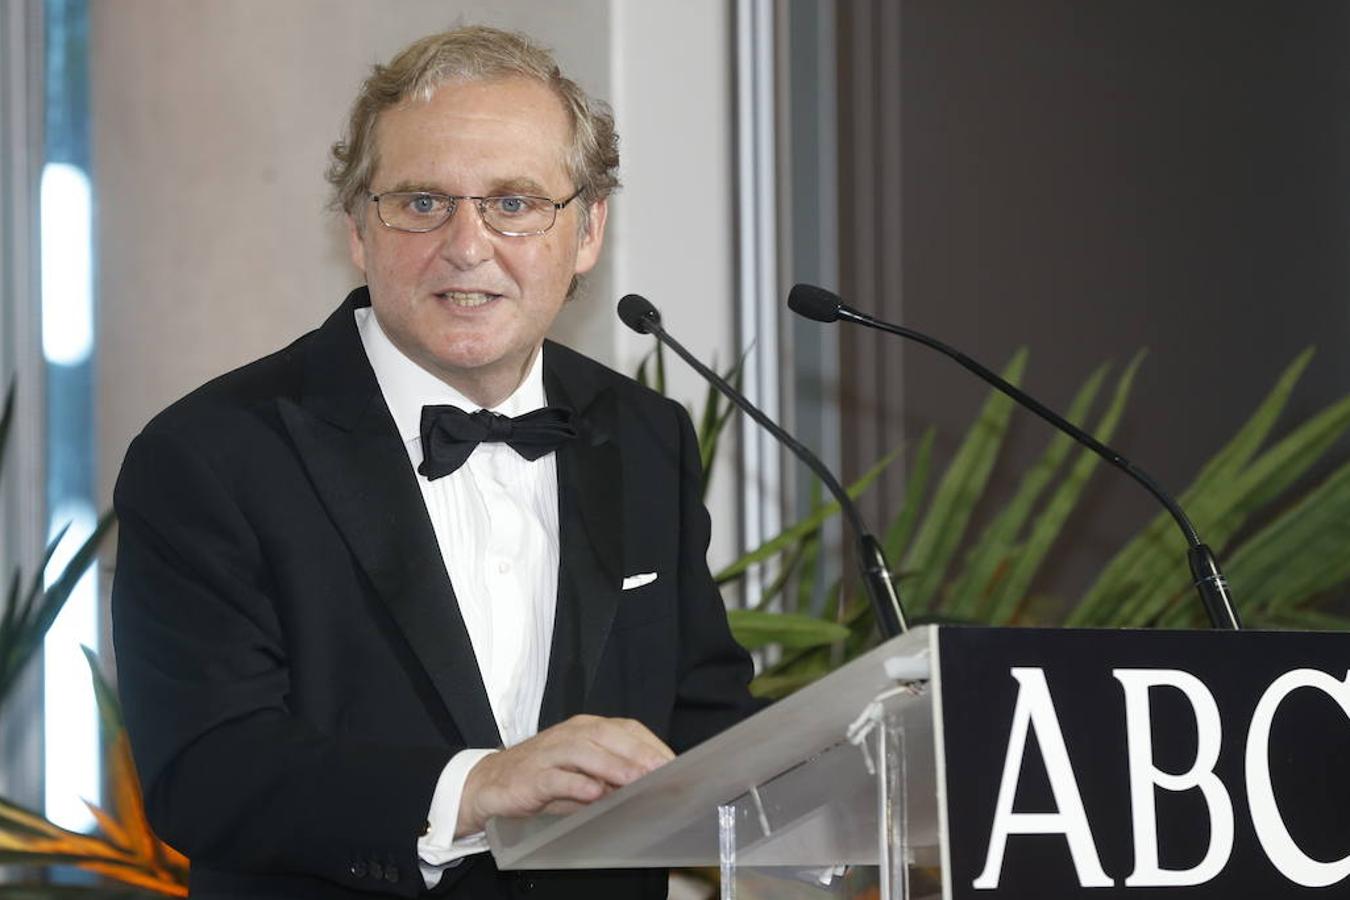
[{"x": 559, "y": 770}]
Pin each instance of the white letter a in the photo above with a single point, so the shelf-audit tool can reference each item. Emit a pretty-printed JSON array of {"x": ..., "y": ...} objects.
[{"x": 1036, "y": 710}]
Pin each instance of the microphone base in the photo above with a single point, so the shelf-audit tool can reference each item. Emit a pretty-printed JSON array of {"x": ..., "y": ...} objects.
[
  {"x": 1213, "y": 589},
  {"x": 880, "y": 588}
]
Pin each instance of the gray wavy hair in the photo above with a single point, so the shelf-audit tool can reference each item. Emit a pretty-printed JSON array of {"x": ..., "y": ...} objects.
[{"x": 473, "y": 53}]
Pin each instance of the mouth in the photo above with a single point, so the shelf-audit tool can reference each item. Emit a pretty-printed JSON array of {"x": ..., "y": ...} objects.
[{"x": 467, "y": 299}]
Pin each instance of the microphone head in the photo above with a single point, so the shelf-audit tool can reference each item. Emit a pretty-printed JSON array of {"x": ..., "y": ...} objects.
[
  {"x": 638, "y": 314},
  {"x": 814, "y": 302}
]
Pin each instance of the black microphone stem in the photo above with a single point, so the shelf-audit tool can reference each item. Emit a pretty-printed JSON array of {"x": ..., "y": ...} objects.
[
  {"x": 876, "y": 571},
  {"x": 1031, "y": 403},
  {"x": 1209, "y": 580}
]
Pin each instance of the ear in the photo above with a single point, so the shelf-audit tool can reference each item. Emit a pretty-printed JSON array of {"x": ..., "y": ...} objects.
[
  {"x": 593, "y": 238},
  {"x": 356, "y": 245}
]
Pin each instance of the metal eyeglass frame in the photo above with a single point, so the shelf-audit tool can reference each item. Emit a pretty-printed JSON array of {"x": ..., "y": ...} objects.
[{"x": 480, "y": 202}]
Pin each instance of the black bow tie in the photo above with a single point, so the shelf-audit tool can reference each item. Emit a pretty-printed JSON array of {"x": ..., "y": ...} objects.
[{"x": 449, "y": 435}]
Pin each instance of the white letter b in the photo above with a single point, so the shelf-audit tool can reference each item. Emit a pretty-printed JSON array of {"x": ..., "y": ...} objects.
[{"x": 1145, "y": 777}]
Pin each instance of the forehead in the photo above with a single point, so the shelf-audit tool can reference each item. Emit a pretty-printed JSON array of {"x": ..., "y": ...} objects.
[{"x": 472, "y": 135}]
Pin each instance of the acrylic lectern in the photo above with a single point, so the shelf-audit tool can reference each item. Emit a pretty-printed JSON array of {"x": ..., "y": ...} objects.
[{"x": 842, "y": 773}]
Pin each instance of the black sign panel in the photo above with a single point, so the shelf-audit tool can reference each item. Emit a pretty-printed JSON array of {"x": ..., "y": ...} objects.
[{"x": 1141, "y": 764}]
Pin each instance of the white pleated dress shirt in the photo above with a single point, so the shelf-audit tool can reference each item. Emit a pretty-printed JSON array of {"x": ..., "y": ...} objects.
[{"x": 496, "y": 521}]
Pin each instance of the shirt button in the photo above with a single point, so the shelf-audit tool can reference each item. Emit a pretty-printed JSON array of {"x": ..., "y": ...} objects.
[{"x": 503, "y": 567}]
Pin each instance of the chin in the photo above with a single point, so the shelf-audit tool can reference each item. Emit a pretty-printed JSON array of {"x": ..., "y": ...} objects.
[{"x": 468, "y": 361}]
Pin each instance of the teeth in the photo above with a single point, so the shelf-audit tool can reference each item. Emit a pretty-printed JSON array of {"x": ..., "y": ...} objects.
[{"x": 459, "y": 298}]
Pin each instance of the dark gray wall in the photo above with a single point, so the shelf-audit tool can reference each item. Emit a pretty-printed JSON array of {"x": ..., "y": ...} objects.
[{"x": 1089, "y": 178}]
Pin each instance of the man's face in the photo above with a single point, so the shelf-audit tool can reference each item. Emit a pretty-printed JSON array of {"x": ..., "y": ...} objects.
[{"x": 467, "y": 304}]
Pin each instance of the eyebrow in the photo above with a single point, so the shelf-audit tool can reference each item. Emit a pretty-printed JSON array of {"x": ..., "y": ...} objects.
[
  {"x": 505, "y": 186},
  {"x": 520, "y": 186}
]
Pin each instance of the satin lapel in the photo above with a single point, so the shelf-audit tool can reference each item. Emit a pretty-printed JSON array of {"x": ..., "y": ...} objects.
[
  {"x": 590, "y": 521},
  {"x": 360, "y": 469}
]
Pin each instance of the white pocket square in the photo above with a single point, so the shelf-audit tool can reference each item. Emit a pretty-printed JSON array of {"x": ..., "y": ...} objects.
[{"x": 637, "y": 581}]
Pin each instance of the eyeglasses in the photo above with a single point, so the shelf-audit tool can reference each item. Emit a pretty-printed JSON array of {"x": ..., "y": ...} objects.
[{"x": 512, "y": 215}]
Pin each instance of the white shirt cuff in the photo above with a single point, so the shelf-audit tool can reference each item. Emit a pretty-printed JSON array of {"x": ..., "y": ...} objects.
[{"x": 438, "y": 849}]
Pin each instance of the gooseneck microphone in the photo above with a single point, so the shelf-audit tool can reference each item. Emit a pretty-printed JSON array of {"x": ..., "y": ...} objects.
[
  {"x": 639, "y": 314},
  {"x": 824, "y": 306}
]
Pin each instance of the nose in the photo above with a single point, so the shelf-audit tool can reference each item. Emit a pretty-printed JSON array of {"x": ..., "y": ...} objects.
[{"x": 465, "y": 240}]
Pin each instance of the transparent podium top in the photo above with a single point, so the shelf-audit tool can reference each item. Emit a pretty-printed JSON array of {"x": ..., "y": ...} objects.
[{"x": 803, "y": 793}]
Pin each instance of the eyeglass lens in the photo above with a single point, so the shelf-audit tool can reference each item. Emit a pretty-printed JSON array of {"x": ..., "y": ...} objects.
[{"x": 419, "y": 211}]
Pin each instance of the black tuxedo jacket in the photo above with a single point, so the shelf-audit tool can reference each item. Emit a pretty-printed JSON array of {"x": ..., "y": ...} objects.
[{"x": 291, "y": 658}]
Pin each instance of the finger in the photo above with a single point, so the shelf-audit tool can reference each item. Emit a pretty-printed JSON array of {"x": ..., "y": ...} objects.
[
  {"x": 625, "y": 738},
  {"x": 635, "y": 743},
  {"x": 644, "y": 736},
  {"x": 557, "y": 786},
  {"x": 519, "y": 786},
  {"x": 567, "y": 807},
  {"x": 594, "y": 759}
]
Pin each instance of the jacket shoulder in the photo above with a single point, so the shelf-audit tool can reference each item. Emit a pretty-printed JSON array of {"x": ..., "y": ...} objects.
[
  {"x": 596, "y": 376},
  {"x": 236, "y": 398}
]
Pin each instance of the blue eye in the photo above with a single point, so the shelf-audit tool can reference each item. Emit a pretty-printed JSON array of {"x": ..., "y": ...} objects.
[
  {"x": 513, "y": 206},
  {"x": 422, "y": 204}
]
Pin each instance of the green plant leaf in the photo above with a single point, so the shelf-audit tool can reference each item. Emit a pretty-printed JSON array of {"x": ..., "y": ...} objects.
[
  {"x": 1227, "y": 507},
  {"x": 958, "y": 492},
  {"x": 717, "y": 411},
  {"x": 1050, "y": 523},
  {"x": 41, "y": 608},
  {"x": 1299, "y": 554},
  {"x": 9, "y": 620},
  {"x": 29, "y": 603},
  {"x": 109, "y": 708},
  {"x": 660, "y": 384},
  {"x": 754, "y": 629},
  {"x": 1308, "y": 620},
  {"x": 801, "y": 529},
  {"x": 1242, "y": 447},
  {"x": 1276, "y": 469},
  {"x": 810, "y": 558},
  {"x": 6, "y": 420},
  {"x": 902, "y": 526},
  {"x": 970, "y": 594},
  {"x": 1139, "y": 584},
  {"x": 1105, "y": 602},
  {"x": 785, "y": 571}
]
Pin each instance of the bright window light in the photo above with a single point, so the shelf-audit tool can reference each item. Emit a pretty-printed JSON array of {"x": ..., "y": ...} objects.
[
  {"x": 67, "y": 270},
  {"x": 71, "y": 719}
]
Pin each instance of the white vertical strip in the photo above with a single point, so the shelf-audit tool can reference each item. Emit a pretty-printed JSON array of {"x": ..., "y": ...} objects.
[
  {"x": 70, "y": 723},
  {"x": 21, "y": 492},
  {"x": 67, "y": 272},
  {"x": 758, "y": 295}
]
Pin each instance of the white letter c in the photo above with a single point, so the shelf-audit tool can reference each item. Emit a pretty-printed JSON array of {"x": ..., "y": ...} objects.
[{"x": 1275, "y": 839}]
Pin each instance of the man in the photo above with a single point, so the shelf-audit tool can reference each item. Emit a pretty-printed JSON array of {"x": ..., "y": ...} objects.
[{"x": 355, "y": 617}]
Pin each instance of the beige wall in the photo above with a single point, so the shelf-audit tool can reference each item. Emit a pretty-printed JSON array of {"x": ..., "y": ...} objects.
[{"x": 212, "y": 122}]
